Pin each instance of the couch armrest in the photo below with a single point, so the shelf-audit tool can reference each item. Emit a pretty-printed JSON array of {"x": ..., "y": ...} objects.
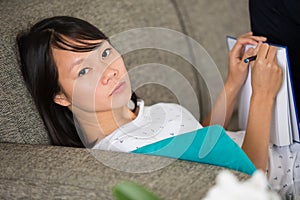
[{"x": 39, "y": 172}]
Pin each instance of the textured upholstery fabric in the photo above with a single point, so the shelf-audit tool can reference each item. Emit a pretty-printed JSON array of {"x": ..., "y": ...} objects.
[{"x": 48, "y": 172}]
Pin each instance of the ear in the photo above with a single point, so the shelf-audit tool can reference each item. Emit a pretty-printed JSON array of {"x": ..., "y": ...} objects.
[{"x": 62, "y": 100}]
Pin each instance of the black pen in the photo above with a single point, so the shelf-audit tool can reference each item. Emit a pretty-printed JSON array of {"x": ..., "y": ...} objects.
[{"x": 249, "y": 59}]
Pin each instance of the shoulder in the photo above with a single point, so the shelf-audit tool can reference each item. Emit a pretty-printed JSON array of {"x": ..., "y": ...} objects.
[
  {"x": 168, "y": 106},
  {"x": 169, "y": 110}
]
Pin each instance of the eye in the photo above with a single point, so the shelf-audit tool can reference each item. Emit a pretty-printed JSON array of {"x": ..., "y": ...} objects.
[
  {"x": 106, "y": 53},
  {"x": 83, "y": 72}
]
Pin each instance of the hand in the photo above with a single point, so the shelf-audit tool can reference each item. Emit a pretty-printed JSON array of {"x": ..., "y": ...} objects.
[
  {"x": 266, "y": 75},
  {"x": 238, "y": 70},
  {"x": 266, "y": 78}
]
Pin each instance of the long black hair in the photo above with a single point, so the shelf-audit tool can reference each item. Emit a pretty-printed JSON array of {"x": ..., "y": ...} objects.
[{"x": 41, "y": 75}]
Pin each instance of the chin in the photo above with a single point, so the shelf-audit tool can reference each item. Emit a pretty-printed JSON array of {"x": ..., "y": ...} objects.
[{"x": 120, "y": 100}]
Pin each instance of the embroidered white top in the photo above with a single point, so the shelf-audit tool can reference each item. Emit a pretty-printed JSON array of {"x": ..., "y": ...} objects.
[{"x": 152, "y": 124}]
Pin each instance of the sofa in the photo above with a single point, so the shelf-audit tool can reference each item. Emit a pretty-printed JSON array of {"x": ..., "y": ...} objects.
[{"x": 32, "y": 168}]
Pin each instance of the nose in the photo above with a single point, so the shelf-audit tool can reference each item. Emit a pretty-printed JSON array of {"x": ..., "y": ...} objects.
[{"x": 109, "y": 74}]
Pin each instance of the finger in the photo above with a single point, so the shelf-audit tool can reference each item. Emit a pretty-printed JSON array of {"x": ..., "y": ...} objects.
[
  {"x": 248, "y": 53},
  {"x": 251, "y": 40},
  {"x": 250, "y": 35},
  {"x": 245, "y": 41},
  {"x": 239, "y": 47},
  {"x": 263, "y": 51},
  {"x": 271, "y": 53},
  {"x": 259, "y": 38},
  {"x": 275, "y": 59},
  {"x": 237, "y": 50},
  {"x": 254, "y": 53},
  {"x": 256, "y": 49},
  {"x": 247, "y": 34}
]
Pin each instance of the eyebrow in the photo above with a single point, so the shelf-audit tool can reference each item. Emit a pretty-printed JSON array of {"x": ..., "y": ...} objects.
[{"x": 74, "y": 64}]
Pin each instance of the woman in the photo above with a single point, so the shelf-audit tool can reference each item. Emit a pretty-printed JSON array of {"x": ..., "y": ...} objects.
[{"x": 71, "y": 68}]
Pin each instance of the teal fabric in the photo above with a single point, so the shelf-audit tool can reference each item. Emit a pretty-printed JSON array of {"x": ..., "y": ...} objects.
[{"x": 209, "y": 145}]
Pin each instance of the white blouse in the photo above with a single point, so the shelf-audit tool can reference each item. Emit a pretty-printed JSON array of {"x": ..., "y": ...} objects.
[{"x": 152, "y": 124}]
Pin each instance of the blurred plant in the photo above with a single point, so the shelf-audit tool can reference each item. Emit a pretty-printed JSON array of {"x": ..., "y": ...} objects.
[{"x": 127, "y": 190}]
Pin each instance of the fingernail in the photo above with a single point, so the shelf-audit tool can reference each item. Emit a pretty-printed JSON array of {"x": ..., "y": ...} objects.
[{"x": 250, "y": 51}]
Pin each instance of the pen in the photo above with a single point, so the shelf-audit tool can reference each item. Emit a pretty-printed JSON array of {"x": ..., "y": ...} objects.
[{"x": 249, "y": 59}]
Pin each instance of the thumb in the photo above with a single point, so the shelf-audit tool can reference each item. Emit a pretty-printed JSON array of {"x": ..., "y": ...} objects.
[{"x": 247, "y": 54}]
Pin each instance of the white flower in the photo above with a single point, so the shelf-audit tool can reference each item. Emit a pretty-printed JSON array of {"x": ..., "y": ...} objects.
[{"x": 228, "y": 187}]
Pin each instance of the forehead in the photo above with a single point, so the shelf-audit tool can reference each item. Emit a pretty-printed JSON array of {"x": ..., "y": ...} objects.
[
  {"x": 64, "y": 58},
  {"x": 67, "y": 57}
]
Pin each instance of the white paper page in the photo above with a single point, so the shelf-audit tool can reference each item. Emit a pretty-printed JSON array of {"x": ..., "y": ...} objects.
[
  {"x": 244, "y": 103},
  {"x": 294, "y": 117},
  {"x": 283, "y": 132},
  {"x": 282, "y": 125}
]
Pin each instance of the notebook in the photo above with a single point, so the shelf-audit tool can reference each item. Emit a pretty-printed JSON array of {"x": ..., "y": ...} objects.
[{"x": 285, "y": 123}]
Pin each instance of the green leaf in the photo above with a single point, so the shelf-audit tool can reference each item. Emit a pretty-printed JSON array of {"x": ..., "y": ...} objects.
[{"x": 131, "y": 191}]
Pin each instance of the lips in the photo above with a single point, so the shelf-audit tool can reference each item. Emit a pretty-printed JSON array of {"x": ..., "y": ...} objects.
[{"x": 119, "y": 88}]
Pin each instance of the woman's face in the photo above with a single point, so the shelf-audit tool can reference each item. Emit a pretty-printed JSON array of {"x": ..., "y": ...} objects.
[{"x": 92, "y": 81}]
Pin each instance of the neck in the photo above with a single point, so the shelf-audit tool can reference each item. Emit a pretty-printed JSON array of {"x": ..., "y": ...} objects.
[{"x": 100, "y": 124}]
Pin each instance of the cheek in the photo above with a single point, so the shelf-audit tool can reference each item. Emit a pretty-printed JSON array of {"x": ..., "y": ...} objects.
[
  {"x": 118, "y": 101},
  {"x": 121, "y": 65},
  {"x": 87, "y": 93}
]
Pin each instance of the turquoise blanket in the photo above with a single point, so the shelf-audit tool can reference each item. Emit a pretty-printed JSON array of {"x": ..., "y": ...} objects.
[{"x": 209, "y": 145}]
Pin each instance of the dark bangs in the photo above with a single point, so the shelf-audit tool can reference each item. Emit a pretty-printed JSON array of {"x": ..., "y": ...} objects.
[
  {"x": 71, "y": 34},
  {"x": 80, "y": 43}
]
